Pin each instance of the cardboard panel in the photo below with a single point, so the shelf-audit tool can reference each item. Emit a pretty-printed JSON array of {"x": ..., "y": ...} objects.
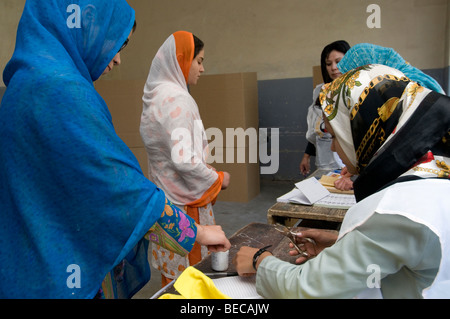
[
  {"x": 317, "y": 76},
  {"x": 124, "y": 100},
  {"x": 245, "y": 177},
  {"x": 230, "y": 101},
  {"x": 141, "y": 155},
  {"x": 227, "y": 100}
]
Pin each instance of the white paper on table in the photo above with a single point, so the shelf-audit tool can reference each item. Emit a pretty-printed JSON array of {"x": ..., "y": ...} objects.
[
  {"x": 335, "y": 200},
  {"x": 306, "y": 192},
  {"x": 237, "y": 287}
]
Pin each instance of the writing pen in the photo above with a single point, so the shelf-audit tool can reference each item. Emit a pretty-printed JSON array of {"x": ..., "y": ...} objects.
[{"x": 221, "y": 274}]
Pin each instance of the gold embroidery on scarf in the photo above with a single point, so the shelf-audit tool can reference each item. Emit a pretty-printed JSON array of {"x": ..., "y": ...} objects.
[
  {"x": 413, "y": 90},
  {"x": 427, "y": 170},
  {"x": 445, "y": 169},
  {"x": 388, "y": 108},
  {"x": 340, "y": 86},
  {"x": 371, "y": 85},
  {"x": 371, "y": 136},
  {"x": 385, "y": 112}
]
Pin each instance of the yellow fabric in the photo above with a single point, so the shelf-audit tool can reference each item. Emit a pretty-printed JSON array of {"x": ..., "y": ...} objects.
[{"x": 193, "y": 284}]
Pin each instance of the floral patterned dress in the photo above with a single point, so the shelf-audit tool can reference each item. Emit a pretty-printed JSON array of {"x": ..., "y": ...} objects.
[{"x": 174, "y": 231}]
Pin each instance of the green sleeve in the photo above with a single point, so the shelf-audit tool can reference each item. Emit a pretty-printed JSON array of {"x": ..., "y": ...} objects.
[{"x": 393, "y": 243}]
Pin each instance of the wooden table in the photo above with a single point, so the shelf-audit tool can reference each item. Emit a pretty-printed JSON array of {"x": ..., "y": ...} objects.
[
  {"x": 255, "y": 235},
  {"x": 311, "y": 216},
  {"x": 284, "y": 213}
]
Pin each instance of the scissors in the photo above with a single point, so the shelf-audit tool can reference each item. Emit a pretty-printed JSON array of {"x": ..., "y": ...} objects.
[{"x": 291, "y": 235}]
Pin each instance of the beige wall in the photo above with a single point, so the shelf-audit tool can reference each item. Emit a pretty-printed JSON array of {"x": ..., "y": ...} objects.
[
  {"x": 10, "y": 12},
  {"x": 283, "y": 39},
  {"x": 276, "y": 39}
]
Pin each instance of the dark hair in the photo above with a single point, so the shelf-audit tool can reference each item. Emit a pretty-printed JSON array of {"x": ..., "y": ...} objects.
[
  {"x": 341, "y": 46},
  {"x": 199, "y": 45},
  {"x": 134, "y": 26}
]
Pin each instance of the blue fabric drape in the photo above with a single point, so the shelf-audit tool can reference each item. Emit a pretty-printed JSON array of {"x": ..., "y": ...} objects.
[
  {"x": 367, "y": 53},
  {"x": 71, "y": 192}
]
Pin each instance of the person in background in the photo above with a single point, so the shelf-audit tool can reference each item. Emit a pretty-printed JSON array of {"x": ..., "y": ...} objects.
[
  {"x": 176, "y": 142},
  {"x": 318, "y": 138},
  {"x": 77, "y": 211},
  {"x": 394, "y": 243}
]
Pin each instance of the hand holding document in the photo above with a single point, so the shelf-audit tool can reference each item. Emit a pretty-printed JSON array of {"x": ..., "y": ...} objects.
[{"x": 330, "y": 180}]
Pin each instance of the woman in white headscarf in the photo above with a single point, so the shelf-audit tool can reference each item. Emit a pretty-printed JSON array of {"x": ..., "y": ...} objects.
[{"x": 176, "y": 142}]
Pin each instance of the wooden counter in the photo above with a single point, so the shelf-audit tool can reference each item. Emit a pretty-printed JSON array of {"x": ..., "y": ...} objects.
[
  {"x": 255, "y": 235},
  {"x": 283, "y": 212}
]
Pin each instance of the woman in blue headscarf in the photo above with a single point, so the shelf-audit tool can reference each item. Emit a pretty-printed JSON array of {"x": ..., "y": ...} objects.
[
  {"x": 367, "y": 53},
  {"x": 75, "y": 205}
]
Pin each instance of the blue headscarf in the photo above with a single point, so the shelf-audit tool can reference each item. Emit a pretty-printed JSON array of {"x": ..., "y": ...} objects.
[
  {"x": 73, "y": 199},
  {"x": 366, "y": 53}
]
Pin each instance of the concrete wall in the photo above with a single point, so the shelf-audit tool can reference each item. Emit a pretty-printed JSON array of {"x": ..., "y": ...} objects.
[{"x": 281, "y": 41}]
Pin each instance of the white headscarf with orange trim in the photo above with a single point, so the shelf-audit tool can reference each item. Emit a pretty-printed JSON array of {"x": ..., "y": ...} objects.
[{"x": 171, "y": 127}]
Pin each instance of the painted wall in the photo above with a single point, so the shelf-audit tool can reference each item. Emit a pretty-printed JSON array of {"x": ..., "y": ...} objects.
[{"x": 281, "y": 41}]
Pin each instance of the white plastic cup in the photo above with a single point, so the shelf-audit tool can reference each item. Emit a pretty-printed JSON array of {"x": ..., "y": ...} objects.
[{"x": 219, "y": 260}]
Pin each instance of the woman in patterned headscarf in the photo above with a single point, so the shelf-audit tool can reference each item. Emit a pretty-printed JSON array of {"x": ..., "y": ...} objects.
[{"x": 394, "y": 133}]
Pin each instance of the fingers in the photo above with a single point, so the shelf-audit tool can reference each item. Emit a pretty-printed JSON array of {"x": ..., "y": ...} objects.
[
  {"x": 214, "y": 237},
  {"x": 243, "y": 261},
  {"x": 304, "y": 255},
  {"x": 301, "y": 260},
  {"x": 218, "y": 248}
]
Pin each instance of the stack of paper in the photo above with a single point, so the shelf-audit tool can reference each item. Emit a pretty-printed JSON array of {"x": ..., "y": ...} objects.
[
  {"x": 312, "y": 192},
  {"x": 335, "y": 200},
  {"x": 238, "y": 287},
  {"x": 306, "y": 192}
]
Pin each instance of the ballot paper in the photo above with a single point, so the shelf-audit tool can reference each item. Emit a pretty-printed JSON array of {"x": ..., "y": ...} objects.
[
  {"x": 306, "y": 192},
  {"x": 237, "y": 287},
  {"x": 341, "y": 201}
]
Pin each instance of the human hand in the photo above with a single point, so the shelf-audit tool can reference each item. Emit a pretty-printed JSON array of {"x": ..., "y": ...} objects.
[
  {"x": 344, "y": 184},
  {"x": 243, "y": 261},
  {"x": 212, "y": 236},
  {"x": 344, "y": 172},
  {"x": 226, "y": 180},
  {"x": 312, "y": 241},
  {"x": 304, "y": 165}
]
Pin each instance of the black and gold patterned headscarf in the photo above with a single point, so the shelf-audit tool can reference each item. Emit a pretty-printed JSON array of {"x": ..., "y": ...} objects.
[{"x": 385, "y": 123}]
